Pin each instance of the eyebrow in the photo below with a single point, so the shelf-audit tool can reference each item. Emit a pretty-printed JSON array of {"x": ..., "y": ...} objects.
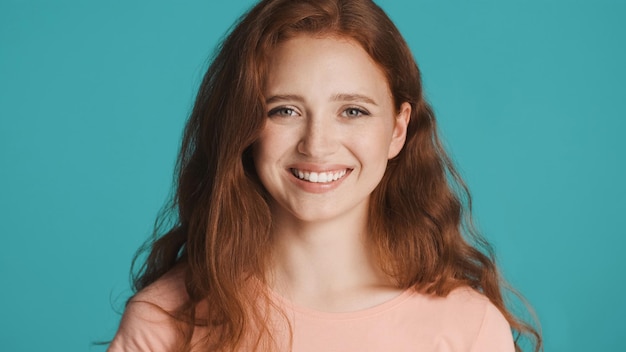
[
  {"x": 354, "y": 98},
  {"x": 336, "y": 97},
  {"x": 284, "y": 97}
]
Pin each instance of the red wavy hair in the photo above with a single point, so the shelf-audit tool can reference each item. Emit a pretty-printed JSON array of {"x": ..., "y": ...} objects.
[{"x": 420, "y": 213}]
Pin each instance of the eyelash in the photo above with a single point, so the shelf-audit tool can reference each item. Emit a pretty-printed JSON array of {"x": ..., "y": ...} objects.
[
  {"x": 360, "y": 112},
  {"x": 278, "y": 112},
  {"x": 281, "y": 109}
]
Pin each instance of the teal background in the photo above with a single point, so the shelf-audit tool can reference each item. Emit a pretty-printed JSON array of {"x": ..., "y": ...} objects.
[{"x": 94, "y": 95}]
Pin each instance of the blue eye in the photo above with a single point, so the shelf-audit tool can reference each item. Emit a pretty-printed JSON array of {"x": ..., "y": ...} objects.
[
  {"x": 355, "y": 112},
  {"x": 282, "y": 112}
]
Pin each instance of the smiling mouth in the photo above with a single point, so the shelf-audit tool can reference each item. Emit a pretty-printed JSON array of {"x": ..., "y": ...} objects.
[{"x": 319, "y": 177}]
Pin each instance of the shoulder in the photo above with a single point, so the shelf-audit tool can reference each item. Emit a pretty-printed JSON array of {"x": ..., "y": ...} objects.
[
  {"x": 168, "y": 292},
  {"x": 147, "y": 323},
  {"x": 465, "y": 320}
]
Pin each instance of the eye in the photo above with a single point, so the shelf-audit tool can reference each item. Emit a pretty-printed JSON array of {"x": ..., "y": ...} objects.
[
  {"x": 355, "y": 112},
  {"x": 282, "y": 111}
]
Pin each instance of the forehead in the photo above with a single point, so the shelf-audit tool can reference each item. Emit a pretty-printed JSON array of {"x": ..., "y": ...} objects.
[{"x": 341, "y": 62}]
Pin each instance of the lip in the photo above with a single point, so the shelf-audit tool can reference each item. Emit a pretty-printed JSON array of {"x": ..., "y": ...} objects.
[
  {"x": 310, "y": 167},
  {"x": 318, "y": 187}
]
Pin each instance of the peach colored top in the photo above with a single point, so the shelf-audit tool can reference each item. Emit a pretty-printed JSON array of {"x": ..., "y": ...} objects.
[{"x": 465, "y": 320}]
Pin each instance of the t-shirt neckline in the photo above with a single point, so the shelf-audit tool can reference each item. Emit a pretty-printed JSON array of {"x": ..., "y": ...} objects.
[{"x": 287, "y": 304}]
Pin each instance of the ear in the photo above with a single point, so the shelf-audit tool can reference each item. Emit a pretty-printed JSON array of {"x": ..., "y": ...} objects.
[{"x": 399, "y": 130}]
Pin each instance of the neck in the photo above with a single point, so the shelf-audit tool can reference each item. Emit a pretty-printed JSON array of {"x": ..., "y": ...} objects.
[{"x": 326, "y": 264}]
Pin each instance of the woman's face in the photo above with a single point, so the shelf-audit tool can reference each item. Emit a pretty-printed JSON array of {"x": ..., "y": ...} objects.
[{"x": 331, "y": 128}]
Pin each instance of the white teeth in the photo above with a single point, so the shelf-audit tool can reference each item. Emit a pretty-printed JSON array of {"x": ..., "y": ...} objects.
[{"x": 319, "y": 177}]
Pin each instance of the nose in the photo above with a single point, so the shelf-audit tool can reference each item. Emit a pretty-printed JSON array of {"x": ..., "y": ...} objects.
[{"x": 319, "y": 138}]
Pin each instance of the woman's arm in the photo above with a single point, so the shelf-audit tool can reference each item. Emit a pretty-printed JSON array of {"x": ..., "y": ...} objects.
[
  {"x": 147, "y": 323},
  {"x": 494, "y": 334},
  {"x": 145, "y": 327}
]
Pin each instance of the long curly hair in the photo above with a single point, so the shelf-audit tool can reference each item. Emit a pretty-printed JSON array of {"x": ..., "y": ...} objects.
[{"x": 218, "y": 221}]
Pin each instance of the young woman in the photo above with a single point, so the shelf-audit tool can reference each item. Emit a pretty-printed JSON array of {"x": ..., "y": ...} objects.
[{"x": 315, "y": 208}]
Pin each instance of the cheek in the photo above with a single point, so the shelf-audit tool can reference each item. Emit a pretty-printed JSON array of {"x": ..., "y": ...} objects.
[
  {"x": 267, "y": 149},
  {"x": 373, "y": 150},
  {"x": 378, "y": 143}
]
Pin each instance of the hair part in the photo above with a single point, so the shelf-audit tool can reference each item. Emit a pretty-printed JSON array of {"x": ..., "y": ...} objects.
[{"x": 420, "y": 213}]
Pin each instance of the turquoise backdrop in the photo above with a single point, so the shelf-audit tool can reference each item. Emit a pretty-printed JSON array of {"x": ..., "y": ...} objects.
[{"x": 93, "y": 96}]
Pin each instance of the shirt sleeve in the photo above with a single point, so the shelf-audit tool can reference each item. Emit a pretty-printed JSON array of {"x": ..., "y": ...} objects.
[
  {"x": 145, "y": 327},
  {"x": 495, "y": 333}
]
